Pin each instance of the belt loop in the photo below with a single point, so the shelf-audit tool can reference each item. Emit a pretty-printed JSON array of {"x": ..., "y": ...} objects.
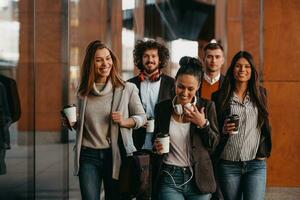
[
  {"x": 173, "y": 167},
  {"x": 244, "y": 164}
]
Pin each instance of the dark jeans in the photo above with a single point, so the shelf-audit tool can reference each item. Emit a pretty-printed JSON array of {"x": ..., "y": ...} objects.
[
  {"x": 95, "y": 166},
  {"x": 2, "y": 161},
  {"x": 242, "y": 180},
  {"x": 180, "y": 175}
]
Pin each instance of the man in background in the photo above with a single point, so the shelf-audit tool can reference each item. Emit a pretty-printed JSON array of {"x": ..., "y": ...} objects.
[{"x": 213, "y": 62}]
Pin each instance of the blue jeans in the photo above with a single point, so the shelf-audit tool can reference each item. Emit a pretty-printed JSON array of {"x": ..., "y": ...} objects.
[
  {"x": 95, "y": 166},
  {"x": 168, "y": 190},
  {"x": 242, "y": 180}
]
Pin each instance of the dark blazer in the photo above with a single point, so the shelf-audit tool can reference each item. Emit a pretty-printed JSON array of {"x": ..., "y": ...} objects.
[
  {"x": 220, "y": 84},
  {"x": 203, "y": 144},
  {"x": 265, "y": 146},
  {"x": 166, "y": 91},
  {"x": 12, "y": 97}
]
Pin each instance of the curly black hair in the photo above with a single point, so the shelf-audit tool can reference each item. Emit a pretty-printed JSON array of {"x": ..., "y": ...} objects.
[{"x": 141, "y": 46}]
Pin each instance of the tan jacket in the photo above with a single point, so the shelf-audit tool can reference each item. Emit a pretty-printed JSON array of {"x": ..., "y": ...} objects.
[{"x": 128, "y": 102}]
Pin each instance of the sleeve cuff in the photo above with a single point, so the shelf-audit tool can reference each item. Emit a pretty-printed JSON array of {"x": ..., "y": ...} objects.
[
  {"x": 138, "y": 121},
  {"x": 205, "y": 125}
]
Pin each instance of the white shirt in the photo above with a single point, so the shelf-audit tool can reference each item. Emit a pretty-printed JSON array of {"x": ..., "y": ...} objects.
[
  {"x": 211, "y": 81},
  {"x": 180, "y": 148},
  {"x": 149, "y": 96}
]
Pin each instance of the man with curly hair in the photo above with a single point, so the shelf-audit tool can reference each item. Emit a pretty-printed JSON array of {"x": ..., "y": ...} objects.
[
  {"x": 150, "y": 57},
  {"x": 154, "y": 86}
]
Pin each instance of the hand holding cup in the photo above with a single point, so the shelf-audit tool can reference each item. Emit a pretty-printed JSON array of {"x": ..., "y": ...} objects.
[
  {"x": 162, "y": 143},
  {"x": 150, "y": 125},
  {"x": 231, "y": 125},
  {"x": 158, "y": 146},
  {"x": 69, "y": 116}
]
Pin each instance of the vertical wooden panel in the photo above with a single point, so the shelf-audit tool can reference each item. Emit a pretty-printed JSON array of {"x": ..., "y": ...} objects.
[
  {"x": 234, "y": 28},
  {"x": 40, "y": 65},
  {"x": 116, "y": 28},
  {"x": 220, "y": 24},
  {"x": 282, "y": 52},
  {"x": 48, "y": 65},
  {"x": 139, "y": 19},
  {"x": 93, "y": 16},
  {"x": 251, "y": 31},
  {"x": 25, "y": 72},
  {"x": 139, "y": 24},
  {"x": 243, "y": 33}
]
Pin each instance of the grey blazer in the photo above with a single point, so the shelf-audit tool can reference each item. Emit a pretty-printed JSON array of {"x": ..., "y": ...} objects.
[{"x": 128, "y": 102}]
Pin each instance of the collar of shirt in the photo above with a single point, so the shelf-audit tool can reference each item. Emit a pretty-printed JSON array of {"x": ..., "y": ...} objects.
[
  {"x": 211, "y": 81},
  {"x": 236, "y": 99}
]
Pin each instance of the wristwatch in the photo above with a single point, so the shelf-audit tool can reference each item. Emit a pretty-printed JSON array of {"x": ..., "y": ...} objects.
[{"x": 205, "y": 125}]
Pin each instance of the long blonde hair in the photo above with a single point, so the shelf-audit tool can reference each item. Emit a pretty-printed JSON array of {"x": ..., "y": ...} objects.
[{"x": 88, "y": 69}]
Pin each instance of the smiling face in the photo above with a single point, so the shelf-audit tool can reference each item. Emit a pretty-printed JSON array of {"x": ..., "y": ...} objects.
[
  {"x": 186, "y": 88},
  {"x": 150, "y": 60},
  {"x": 103, "y": 64},
  {"x": 242, "y": 70}
]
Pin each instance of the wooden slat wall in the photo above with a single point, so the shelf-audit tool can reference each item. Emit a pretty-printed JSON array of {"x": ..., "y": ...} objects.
[
  {"x": 282, "y": 79},
  {"x": 40, "y": 49}
]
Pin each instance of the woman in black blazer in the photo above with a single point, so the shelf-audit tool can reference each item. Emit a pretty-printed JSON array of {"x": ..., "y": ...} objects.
[
  {"x": 241, "y": 169},
  {"x": 186, "y": 171}
]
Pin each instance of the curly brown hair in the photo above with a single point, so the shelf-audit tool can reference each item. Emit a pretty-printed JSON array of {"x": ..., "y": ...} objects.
[{"x": 141, "y": 46}]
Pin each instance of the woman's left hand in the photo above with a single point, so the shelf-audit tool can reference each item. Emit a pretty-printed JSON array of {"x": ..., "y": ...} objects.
[{"x": 192, "y": 114}]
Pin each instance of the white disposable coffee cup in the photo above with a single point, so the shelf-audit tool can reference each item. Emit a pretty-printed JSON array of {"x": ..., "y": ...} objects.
[
  {"x": 164, "y": 140},
  {"x": 70, "y": 113},
  {"x": 150, "y": 126}
]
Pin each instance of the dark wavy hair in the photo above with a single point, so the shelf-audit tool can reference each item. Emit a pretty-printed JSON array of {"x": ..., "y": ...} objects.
[
  {"x": 141, "y": 46},
  {"x": 229, "y": 84},
  {"x": 190, "y": 66},
  {"x": 88, "y": 69}
]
